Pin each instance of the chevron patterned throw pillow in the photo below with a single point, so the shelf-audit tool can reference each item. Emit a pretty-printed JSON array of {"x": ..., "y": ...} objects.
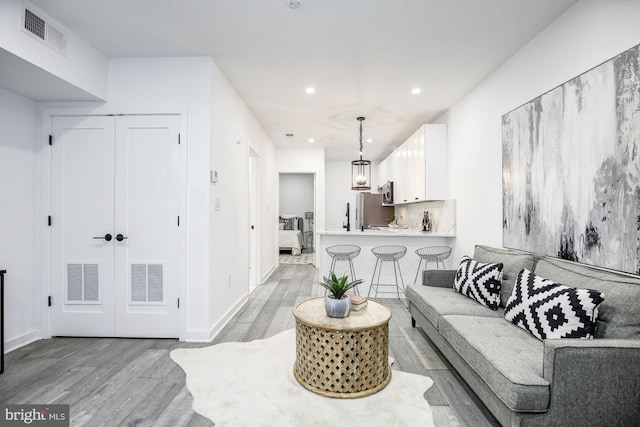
[
  {"x": 479, "y": 281},
  {"x": 549, "y": 310}
]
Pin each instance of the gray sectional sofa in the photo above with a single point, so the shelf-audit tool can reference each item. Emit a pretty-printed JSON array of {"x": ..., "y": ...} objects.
[{"x": 525, "y": 381}]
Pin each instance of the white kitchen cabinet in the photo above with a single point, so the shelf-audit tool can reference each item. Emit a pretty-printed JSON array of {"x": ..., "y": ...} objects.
[
  {"x": 399, "y": 188},
  {"x": 384, "y": 172},
  {"x": 420, "y": 166}
]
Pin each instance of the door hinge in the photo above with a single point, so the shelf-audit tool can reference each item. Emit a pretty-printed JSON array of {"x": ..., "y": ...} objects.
[
  {"x": 178, "y": 302},
  {"x": 179, "y": 139},
  {"x": 49, "y": 301},
  {"x": 49, "y": 220},
  {"x": 50, "y": 139},
  {"x": 178, "y": 220}
]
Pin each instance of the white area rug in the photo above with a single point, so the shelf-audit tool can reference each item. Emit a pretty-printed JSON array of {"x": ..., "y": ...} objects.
[{"x": 252, "y": 384}]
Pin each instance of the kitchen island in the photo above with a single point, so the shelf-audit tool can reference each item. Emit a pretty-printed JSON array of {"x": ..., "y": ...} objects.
[{"x": 365, "y": 262}]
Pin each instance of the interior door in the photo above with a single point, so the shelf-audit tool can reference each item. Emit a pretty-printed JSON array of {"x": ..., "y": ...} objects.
[
  {"x": 254, "y": 221},
  {"x": 82, "y": 225},
  {"x": 114, "y": 236},
  {"x": 146, "y": 235}
]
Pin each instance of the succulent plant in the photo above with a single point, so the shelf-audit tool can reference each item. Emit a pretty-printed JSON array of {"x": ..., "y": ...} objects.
[{"x": 338, "y": 286}]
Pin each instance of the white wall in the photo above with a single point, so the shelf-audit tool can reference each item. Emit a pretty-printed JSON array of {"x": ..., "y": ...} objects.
[
  {"x": 588, "y": 34},
  {"x": 339, "y": 193},
  {"x": 296, "y": 194},
  {"x": 19, "y": 222},
  {"x": 234, "y": 130}
]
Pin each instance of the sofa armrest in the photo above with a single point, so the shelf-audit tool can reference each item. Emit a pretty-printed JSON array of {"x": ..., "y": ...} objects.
[
  {"x": 594, "y": 379},
  {"x": 439, "y": 278}
]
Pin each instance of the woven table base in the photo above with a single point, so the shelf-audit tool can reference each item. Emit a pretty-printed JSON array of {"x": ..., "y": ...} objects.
[{"x": 342, "y": 363}]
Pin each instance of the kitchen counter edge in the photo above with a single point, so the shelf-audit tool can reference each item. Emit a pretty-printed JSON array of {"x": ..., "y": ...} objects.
[{"x": 383, "y": 233}]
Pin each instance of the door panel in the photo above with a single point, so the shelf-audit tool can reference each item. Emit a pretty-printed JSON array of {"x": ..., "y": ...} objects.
[
  {"x": 146, "y": 208},
  {"x": 82, "y": 182}
]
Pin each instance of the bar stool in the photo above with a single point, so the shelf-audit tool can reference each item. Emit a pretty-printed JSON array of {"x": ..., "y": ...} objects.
[
  {"x": 429, "y": 254},
  {"x": 388, "y": 253},
  {"x": 344, "y": 253}
]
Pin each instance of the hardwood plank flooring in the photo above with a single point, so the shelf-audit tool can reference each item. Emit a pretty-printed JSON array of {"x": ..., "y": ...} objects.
[{"x": 133, "y": 382}]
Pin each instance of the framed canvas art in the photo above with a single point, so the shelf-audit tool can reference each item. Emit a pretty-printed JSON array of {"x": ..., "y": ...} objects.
[{"x": 571, "y": 168}]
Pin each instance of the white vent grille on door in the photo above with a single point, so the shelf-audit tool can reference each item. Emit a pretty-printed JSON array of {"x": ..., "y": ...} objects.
[
  {"x": 147, "y": 283},
  {"x": 83, "y": 283},
  {"x": 155, "y": 283},
  {"x": 38, "y": 25},
  {"x": 91, "y": 287},
  {"x": 74, "y": 282}
]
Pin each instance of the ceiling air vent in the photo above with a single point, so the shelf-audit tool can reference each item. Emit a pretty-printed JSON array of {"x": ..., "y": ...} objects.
[{"x": 37, "y": 25}]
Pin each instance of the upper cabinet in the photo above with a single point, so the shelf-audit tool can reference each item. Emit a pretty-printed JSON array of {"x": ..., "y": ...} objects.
[{"x": 419, "y": 167}]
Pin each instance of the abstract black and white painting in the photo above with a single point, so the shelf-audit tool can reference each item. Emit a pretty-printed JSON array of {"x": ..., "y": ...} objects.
[{"x": 571, "y": 169}]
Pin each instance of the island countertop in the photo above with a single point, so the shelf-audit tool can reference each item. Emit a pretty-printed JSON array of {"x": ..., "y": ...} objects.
[{"x": 396, "y": 232}]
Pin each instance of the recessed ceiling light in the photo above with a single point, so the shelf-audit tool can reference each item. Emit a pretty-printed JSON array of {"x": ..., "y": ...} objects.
[
  {"x": 369, "y": 140},
  {"x": 312, "y": 140},
  {"x": 294, "y": 4},
  {"x": 416, "y": 90},
  {"x": 310, "y": 90}
]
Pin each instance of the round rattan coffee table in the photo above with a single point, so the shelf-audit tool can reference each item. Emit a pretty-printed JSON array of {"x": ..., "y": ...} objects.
[{"x": 344, "y": 358}]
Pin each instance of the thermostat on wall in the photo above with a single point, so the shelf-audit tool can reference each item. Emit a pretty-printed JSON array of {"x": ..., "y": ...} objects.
[{"x": 214, "y": 176}]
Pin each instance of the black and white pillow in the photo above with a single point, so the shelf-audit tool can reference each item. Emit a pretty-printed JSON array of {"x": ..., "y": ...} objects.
[
  {"x": 291, "y": 223},
  {"x": 479, "y": 281},
  {"x": 550, "y": 310}
]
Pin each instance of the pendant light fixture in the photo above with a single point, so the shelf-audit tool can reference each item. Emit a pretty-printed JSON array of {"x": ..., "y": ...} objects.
[{"x": 361, "y": 169}]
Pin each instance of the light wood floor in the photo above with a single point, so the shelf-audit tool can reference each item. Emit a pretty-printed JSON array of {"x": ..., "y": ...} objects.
[{"x": 133, "y": 382}]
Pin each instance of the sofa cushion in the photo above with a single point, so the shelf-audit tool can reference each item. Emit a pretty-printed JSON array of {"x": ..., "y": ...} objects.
[
  {"x": 479, "y": 281},
  {"x": 435, "y": 302},
  {"x": 512, "y": 263},
  {"x": 550, "y": 310},
  {"x": 618, "y": 315},
  {"x": 506, "y": 357}
]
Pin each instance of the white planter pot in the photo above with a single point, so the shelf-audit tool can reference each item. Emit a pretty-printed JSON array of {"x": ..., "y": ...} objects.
[{"x": 337, "y": 308}]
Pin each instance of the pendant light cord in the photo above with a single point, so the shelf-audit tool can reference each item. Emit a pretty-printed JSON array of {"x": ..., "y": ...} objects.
[{"x": 360, "y": 119}]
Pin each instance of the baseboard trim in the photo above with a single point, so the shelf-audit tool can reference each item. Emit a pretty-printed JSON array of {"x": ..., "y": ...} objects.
[
  {"x": 208, "y": 335},
  {"x": 269, "y": 273},
  {"x": 22, "y": 340}
]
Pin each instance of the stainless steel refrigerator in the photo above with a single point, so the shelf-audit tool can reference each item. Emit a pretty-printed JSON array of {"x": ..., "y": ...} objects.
[{"x": 370, "y": 212}]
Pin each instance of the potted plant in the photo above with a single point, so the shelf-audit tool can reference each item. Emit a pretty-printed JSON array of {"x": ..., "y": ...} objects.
[{"x": 337, "y": 303}]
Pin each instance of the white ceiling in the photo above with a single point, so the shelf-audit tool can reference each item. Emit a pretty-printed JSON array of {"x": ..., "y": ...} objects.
[{"x": 362, "y": 56}]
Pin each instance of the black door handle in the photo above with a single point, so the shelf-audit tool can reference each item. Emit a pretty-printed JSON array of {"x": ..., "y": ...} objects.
[
  {"x": 120, "y": 237},
  {"x": 106, "y": 237}
]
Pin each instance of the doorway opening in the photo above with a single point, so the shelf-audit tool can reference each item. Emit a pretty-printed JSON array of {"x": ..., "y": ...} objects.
[{"x": 296, "y": 235}]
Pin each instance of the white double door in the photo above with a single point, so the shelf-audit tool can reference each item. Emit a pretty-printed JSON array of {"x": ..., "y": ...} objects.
[{"x": 114, "y": 226}]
